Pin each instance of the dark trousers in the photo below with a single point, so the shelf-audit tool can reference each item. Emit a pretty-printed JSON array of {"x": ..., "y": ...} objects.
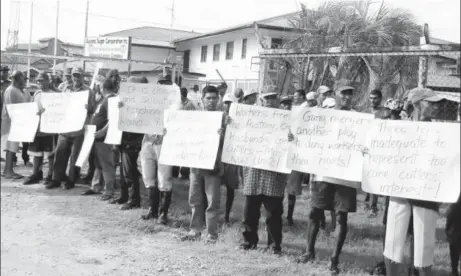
[
  {"x": 25, "y": 156},
  {"x": 67, "y": 147},
  {"x": 185, "y": 172},
  {"x": 130, "y": 175},
  {"x": 252, "y": 213},
  {"x": 175, "y": 172}
]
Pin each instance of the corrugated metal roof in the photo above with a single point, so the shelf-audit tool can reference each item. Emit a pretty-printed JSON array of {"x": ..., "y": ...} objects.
[
  {"x": 153, "y": 33},
  {"x": 443, "y": 81}
]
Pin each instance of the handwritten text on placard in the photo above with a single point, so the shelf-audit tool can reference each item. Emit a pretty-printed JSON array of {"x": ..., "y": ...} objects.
[
  {"x": 418, "y": 160},
  {"x": 143, "y": 106},
  {"x": 192, "y": 138},
  {"x": 64, "y": 112},
  {"x": 328, "y": 142},
  {"x": 257, "y": 138}
]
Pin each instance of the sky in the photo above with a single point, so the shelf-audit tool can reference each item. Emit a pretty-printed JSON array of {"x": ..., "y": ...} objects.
[{"x": 105, "y": 16}]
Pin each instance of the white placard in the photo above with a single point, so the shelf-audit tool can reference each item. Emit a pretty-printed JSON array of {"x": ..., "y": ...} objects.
[
  {"x": 257, "y": 137},
  {"x": 328, "y": 142},
  {"x": 143, "y": 106},
  {"x": 114, "y": 135},
  {"x": 88, "y": 141},
  {"x": 64, "y": 112},
  {"x": 192, "y": 138},
  {"x": 417, "y": 160},
  {"x": 24, "y": 121}
]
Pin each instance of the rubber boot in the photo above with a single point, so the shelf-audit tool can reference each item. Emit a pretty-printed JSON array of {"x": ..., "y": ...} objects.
[
  {"x": 153, "y": 194},
  {"x": 392, "y": 268},
  {"x": 165, "y": 205}
]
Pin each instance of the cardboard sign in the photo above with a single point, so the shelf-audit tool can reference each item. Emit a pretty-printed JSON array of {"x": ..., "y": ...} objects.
[
  {"x": 328, "y": 142},
  {"x": 64, "y": 112},
  {"x": 88, "y": 141},
  {"x": 114, "y": 135},
  {"x": 192, "y": 138},
  {"x": 24, "y": 121},
  {"x": 144, "y": 106},
  {"x": 417, "y": 160},
  {"x": 257, "y": 137}
]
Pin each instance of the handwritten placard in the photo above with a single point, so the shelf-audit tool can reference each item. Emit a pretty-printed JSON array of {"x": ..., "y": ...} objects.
[
  {"x": 143, "y": 106},
  {"x": 192, "y": 138},
  {"x": 88, "y": 141},
  {"x": 257, "y": 138},
  {"x": 417, "y": 160},
  {"x": 114, "y": 135},
  {"x": 64, "y": 112},
  {"x": 24, "y": 121},
  {"x": 328, "y": 142}
]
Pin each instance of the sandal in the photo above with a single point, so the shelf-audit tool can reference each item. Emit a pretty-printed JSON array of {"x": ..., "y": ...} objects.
[{"x": 15, "y": 176}]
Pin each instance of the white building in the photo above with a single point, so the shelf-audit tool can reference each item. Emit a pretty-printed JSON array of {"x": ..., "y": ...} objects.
[{"x": 234, "y": 51}]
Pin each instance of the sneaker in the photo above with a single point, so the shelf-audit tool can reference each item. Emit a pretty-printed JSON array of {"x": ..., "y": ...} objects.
[
  {"x": 248, "y": 246},
  {"x": 211, "y": 239},
  {"x": 191, "y": 236},
  {"x": 131, "y": 205},
  {"x": 68, "y": 185},
  {"x": 306, "y": 258},
  {"x": 106, "y": 197},
  {"x": 53, "y": 184},
  {"x": 119, "y": 200},
  {"x": 276, "y": 250}
]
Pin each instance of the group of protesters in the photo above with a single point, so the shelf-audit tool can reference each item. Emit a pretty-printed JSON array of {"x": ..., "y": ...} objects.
[{"x": 260, "y": 187}]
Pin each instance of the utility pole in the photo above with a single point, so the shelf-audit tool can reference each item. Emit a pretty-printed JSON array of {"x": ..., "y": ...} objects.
[
  {"x": 86, "y": 30},
  {"x": 56, "y": 39},
  {"x": 30, "y": 40}
]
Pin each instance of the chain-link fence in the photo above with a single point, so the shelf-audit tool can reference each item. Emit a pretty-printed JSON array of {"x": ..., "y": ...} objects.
[{"x": 394, "y": 73}]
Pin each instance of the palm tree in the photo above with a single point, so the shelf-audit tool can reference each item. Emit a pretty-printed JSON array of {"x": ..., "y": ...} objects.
[{"x": 350, "y": 25}]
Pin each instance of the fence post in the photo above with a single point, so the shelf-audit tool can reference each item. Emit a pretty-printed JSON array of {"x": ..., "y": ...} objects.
[{"x": 422, "y": 71}]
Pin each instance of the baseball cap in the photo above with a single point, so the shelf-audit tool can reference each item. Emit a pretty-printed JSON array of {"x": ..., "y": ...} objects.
[
  {"x": 323, "y": 89},
  {"x": 329, "y": 103},
  {"x": 43, "y": 76},
  {"x": 311, "y": 96},
  {"x": 270, "y": 91},
  {"x": 249, "y": 93},
  {"x": 344, "y": 88},
  {"x": 423, "y": 94},
  {"x": 77, "y": 70},
  {"x": 228, "y": 98},
  {"x": 286, "y": 99},
  {"x": 112, "y": 72}
]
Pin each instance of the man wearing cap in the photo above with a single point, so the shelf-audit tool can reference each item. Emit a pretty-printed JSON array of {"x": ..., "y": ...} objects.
[
  {"x": 425, "y": 213},
  {"x": 324, "y": 92},
  {"x": 250, "y": 97},
  {"x": 263, "y": 187},
  {"x": 311, "y": 99},
  {"x": 157, "y": 178},
  {"x": 206, "y": 183},
  {"x": 286, "y": 103},
  {"x": 43, "y": 143},
  {"x": 328, "y": 193},
  {"x": 68, "y": 82},
  {"x": 69, "y": 144},
  {"x": 13, "y": 95}
]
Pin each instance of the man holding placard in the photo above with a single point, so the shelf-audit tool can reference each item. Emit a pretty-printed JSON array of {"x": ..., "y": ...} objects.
[
  {"x": 425, "y": 213},
  {"x": 43, "y": 143},
  {"x": 69, "y": 144},
  {"x": 328, "y": 193},
  {"x": 206, "y": 180},
  {"x": 263, "y": 187}
]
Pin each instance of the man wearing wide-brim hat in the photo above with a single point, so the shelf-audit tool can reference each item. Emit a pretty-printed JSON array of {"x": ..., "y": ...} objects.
[
  {"x": 333, "y": 194},
  {"x": 323, "y": 92},
  {"x": 250, "y": 97},
  {"x": 263, "y": 187}
]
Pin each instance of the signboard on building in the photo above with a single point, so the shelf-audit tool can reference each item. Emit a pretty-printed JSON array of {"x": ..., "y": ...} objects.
[{"x": 108, "y": 47}]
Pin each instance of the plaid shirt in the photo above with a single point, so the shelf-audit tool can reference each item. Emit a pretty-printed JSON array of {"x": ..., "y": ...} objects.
[{"x": 262, "y": 182}]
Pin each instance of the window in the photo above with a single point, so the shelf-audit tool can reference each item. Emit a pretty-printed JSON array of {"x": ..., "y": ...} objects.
[
  {"x": 216, "y": 49},
  {"x": 244, "y": 48},
  {"x": 230, "y": 50},
  {"x": 276, "y": 43},
  {"x": 204, "y": 53}
]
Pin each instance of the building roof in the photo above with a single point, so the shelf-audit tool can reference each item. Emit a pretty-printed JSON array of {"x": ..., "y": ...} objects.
[
  {"x": 280, "y": 22},
  {"x": 24, "y": 47},
  {"x": 153, "y": 33},
  {"x": 438, "y": 41},
  {"x": 122, "y": 67}
]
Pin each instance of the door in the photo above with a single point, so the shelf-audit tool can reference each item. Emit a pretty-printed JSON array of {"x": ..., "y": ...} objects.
[{"x": 185, "y": 67}]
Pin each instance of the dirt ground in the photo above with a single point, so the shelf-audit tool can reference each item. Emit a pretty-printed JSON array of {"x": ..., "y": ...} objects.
[{"x": 58, "y": 232}]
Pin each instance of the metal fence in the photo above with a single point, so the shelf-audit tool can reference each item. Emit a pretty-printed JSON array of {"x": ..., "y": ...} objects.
[{"x": 394, "y": 73}]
